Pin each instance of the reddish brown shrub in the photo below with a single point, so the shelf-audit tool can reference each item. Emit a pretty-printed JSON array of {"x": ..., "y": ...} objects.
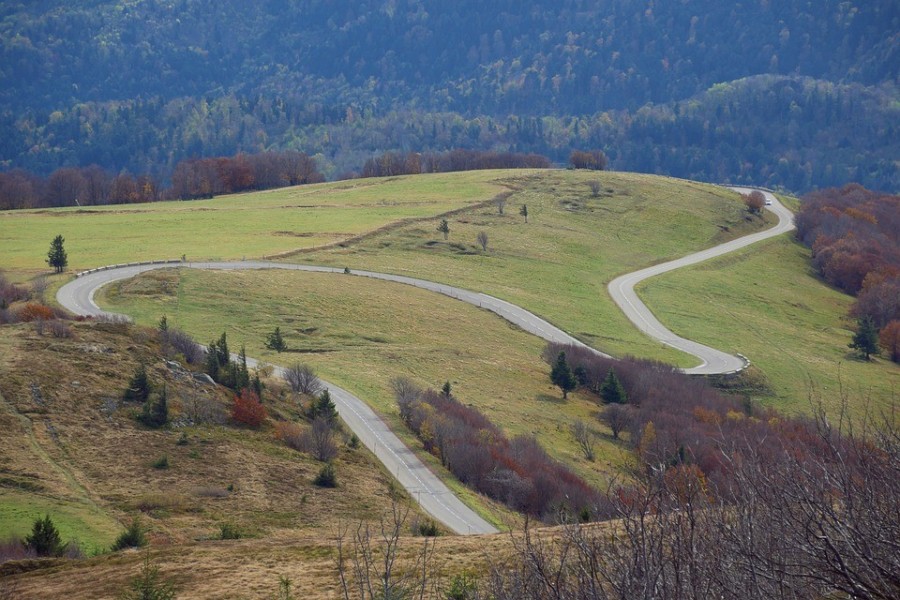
[
  {"x": 248, "y": 410},
  {"x": 33, "y": 311}
]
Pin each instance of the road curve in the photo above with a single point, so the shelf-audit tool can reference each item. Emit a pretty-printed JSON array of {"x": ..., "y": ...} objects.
[
  {"x": 432, "y": 494},
  {"x": 713, "y": 362}
]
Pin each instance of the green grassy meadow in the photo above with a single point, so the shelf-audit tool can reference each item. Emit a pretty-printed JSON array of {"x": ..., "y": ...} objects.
[
  {"x": 232, "y": 227},
  {"x": 558, "y": 264},
  {"x": 767, "y": 303},
  {"x": 360, "y": 333},
  {"x": 92, "y": 529}
]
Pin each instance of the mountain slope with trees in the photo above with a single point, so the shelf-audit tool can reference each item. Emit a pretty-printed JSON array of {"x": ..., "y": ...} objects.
[{"x": 141, "y": 85}]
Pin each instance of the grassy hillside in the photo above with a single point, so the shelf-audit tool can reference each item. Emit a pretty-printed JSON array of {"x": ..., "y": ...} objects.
[
  {"x": 232, "y": 227},
  {"x": 361, "y": 333},
  {"x": 72, "y": 449},
  {"x": 558, "y": 264},
  {"x": 767, "y": 303}
]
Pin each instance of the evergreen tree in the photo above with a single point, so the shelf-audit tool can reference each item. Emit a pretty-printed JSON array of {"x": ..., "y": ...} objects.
[
  {"x": 222, "y": 354},
  {"x": 561, "y": 375},
  {"x": 212, "y": 361},
  {"x": 866, "y": 337},
  {"x": 149, "y": 585},
  {"x": 275, "y": 341},
  {"x": 139, "y": 387},
  {"x": 446, "y": 389},
  {"x": 242, "y": 374},
  {"x": 156, "y": 413},
  {"x": 524, "y": 212},
  {"x": 44, "y": 538},
  {"x": 611, "y": 389},
  {"x": 444, "y": 228},
  {"x": 163, "y": 324},
  {"x": 57, "y": 257},
  {"x": 323, "y": 407}
]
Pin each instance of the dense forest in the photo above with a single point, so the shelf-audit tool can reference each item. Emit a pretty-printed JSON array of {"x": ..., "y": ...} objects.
[{"x": 788, "y": 93}]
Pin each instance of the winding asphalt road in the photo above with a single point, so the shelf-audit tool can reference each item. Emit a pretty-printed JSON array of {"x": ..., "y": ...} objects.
[
  {"x": 714, "y": 362},
  {"x": 431, "y": 493}
]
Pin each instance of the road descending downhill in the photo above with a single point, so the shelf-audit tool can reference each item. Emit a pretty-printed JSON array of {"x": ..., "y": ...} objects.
[
  {"x": 713, "y": 362},
  {"x": 431, "y": 493}
]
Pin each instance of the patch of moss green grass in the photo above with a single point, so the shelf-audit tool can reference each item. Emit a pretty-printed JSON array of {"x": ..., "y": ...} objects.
[
  {"x": 93, "y": 530},
  {"x": 767, "y": 303}
]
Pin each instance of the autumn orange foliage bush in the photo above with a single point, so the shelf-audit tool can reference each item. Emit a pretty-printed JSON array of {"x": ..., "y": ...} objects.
[
  {"x": 248, "y": 410},
  {"x": 34, "y": 311}
]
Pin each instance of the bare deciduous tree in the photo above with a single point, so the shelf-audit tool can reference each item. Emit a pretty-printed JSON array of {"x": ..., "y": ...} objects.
[
  {"x": 585, "y": 438},
  {"x": 369, "y": 562},
  {"x": 482, "y": 239},
  {"x": 303, "y": 379},
  {"x": 617, "y": 418},
  {"x": 595, "y": 187},
  {"x": 406, "y": 392},
  {"x": 500, "y": 201},
  {"x": 319, "y": 440}
]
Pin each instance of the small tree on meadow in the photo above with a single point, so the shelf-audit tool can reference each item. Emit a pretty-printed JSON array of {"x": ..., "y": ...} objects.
[
  {"x": 134, "y": 536},
  {"x": 44, "y": 538},
  {"x": 500, "y": 201},
  {"x": 524, "y": 212},
  {"x": 247, "y": 410},
  {"x": 138, "y": 389},
  {"x": 617, "y": 417},
  {"x": 302, "y": 379},
  {"x": 275, "y": 341},
  {"x": 57, "y": 257},
  {"x": 444, "y": 228},
  {"x": 866, "y": 337},
  {"x": 324, "y": 407},
  {"x": 595, "y": 187},
  {"x": 585, "y": 438},
  {"x": 561, "y": 375},
  {"x": 156, "y": 410},
  {"x": 482, "y": 239},
  {"x": 611, "y": 389},
  {"x": 149, "y": 585}
]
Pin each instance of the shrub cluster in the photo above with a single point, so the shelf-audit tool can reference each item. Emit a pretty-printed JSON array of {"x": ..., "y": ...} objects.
[
  {"x": 672, "y": 419},
  {"x": 517, "y": 472}
]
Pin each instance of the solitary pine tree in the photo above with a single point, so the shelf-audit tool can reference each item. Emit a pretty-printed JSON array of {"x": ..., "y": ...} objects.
[
  {"x": 275, "y": 341},
  {"x": 324, "y": 407},
  {"x": 611, "y": 389},
  {"x": 57, "y": 257},
  {"x": 446, "y": 389},
  {"x": 561, "y": 375},
  {"x": 866, "y": 337},
  {"x": 156, "y": 414},
  {"x": 524, "y": 212},
  {"x": 444, "y": 228},
  {"x": 139, "y": 386},
  {"x": 44, "y": 538}
]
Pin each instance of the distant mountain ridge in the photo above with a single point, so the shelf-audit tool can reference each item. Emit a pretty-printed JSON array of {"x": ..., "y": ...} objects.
[{"x": 64, "y": 67}]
